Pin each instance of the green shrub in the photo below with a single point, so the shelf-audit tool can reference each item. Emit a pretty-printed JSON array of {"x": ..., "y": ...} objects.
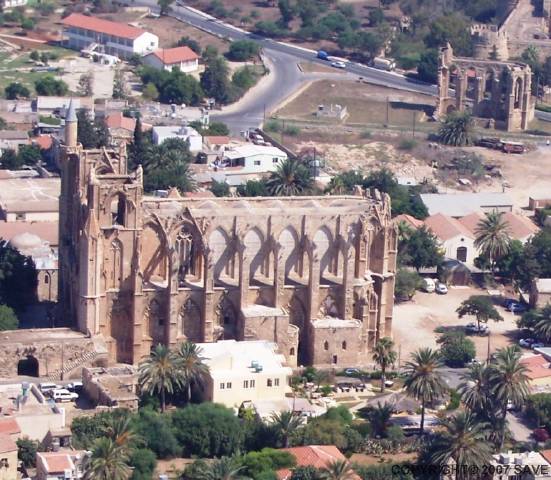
[
  {"x": 456, "y": 349},
  {"x": 292, "y": 130},
  {"x": 407, "y": 144},
  {"x": 365, "y": 134},
  {"x": 272, "y": 126}
]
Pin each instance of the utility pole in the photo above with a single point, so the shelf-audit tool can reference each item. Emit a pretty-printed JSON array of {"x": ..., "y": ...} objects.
[
  {"x": 387, "y": 112},
  {"x": 413, "y": 123}
]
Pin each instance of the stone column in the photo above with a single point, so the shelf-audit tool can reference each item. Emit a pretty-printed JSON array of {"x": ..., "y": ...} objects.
[
  {"x": 244, "y": 275},
  {"x": 460, "y": 92},
  {"x": 171, "y": 327},
  {"x": 208, "y": 296},
  {"x": 279, "y": 275},
  {"x": 313, "y": 285},
  {"x": 348, "y": 282}
]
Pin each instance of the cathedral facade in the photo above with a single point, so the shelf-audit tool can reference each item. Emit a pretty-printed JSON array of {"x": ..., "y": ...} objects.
[{"x": 313, "y": 274}]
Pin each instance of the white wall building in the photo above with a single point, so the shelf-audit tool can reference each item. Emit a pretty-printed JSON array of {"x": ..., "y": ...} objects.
[
  {"x": 244, "y": 372},
  {"x": 254, "y": 158},
  {"x": 114, "y": 38},
  {"x": 6, "y": 4},
  {"x": 160, "y": 134},
  {"x": 456, "y": 240},
  {"x": 525, "y": 466},
  {"x": 181, "y": 58}
]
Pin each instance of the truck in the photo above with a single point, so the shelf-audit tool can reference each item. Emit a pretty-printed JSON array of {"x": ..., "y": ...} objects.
[
  {"x": 512, "y": 147},
  {"x": 387, "y": 64},
  {"x": 323, "y": 55}
]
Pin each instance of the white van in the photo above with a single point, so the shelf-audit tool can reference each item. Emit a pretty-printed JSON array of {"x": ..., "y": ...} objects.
[
  {"x": 63, "y": 395},
  {"x": 47, "y": 387},
  {"x": 428, "y": 285}
]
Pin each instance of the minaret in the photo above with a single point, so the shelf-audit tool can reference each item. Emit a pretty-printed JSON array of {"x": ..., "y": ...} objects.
[{"x": 71, "y": 123}]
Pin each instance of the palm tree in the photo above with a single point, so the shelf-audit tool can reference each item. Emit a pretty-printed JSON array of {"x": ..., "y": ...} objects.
[
  {"x": 107, "y": 462},
  {"x": 475, "y": 388},
  {"x": 338, "y": 470},
  {"x": 285, "y": 423},
  {"x": 225, "y": 468},
  {"x": 509, "y": 383},
  {"x": 120, "y": 431},
  {"x": 290, "y": 178},
  {"x": 543, "y": 324},
  {"x": 492, "y": 237},
  {"x": 456, "y": 129},
  {"x": 423, "y": 380},
  {"x": 192, "y": 368},
  {"x": 160, "y": 373},
  {"x": 380, "y": 416},
  {"x": 384, "y": 356},
  {"x": 463, "y": 439}
]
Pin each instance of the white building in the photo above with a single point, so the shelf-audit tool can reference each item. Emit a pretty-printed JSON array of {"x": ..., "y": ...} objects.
[
  {"x": 456, "y": 240},
  {"x": 66, "y": 465},
  {"x": 461, "y": 204},
  {"x": 113, "y": 38},
  {"x": 525, "y": 466},
  {"x": 7, "y": 4},
  {"x": 254, "y": 158},
  {"x": 244, "y": 372},
  {"x": 181, "y": 58},
  {"x": 160, "y": 134}
]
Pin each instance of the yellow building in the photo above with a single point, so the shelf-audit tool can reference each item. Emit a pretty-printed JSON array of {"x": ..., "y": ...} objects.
[{"x": 8, "y": 458}]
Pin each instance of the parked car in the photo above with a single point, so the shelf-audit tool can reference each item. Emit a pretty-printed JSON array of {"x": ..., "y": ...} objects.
[
  {"x": 537, "y": 345},
  {"x": 478, "y": 330},
  {"x": 74, "y": 386},
  {"x": 508, "y": 301},
  {"x": 47, "y": 387},
  {"x": 428, "y": 285},
  {"x": 540, "y": 434},
  {"x": 441, "y": 288},
  {"x": 338, "y": 64},
  {"x": 526, "y": 342},
  {"x": 352, "y": 372},
  {"x": 389, "y": 383},
  {"x": 63, "y": 395},
  {"x": 517, "y": 307}
]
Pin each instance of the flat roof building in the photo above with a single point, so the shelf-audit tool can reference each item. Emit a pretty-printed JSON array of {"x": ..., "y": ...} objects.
[
  {"x": 189, "y": 134},
  {"x": 244, "y": 372},
  {"x": 461, "y": 204},
  {"x": 89, "y": 33}
]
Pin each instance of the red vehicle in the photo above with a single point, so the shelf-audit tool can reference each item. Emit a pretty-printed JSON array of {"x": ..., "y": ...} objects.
[
  {"x": 540, "y": 434},
  {"x": 512, "y": 147}
]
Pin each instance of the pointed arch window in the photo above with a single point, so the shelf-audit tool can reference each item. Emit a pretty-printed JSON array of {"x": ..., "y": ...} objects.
[
  {"x": 186, "y": 256},
  {"x": 116, "y": 264}
]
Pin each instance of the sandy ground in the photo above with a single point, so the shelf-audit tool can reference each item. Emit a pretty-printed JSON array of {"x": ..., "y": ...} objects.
[
  {"x": 74, "y": 67},
  {"x": 414, "y": 322}
]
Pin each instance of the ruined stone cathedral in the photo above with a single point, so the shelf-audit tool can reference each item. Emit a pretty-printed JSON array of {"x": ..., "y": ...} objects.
[{"x": 313, "y": 274}]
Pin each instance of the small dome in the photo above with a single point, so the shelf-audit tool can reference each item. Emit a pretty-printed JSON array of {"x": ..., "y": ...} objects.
[{"x": 24, "y": 241}]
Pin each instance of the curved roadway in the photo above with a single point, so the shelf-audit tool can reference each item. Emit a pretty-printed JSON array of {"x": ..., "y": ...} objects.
[{"x": 286, "y": 77}]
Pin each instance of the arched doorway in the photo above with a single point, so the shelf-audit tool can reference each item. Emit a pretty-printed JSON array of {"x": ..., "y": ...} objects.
[{"x": 28, "y": 366}]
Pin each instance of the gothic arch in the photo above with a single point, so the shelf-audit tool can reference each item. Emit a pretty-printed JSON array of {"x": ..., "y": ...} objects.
[
  {"x": 190, "y": 322},
  {"x": 329, "y": 306},
  {"x": 226, "y": 318},
  {"x": 222, "y": 254},
  {"x": 297, "y": 317},
  {"x": 188, "y": 245},
  {"x": 255, "y": 252},
  {"x": 290, "y": 252},
  {"x": 155, "y": 322},
  {"x": 154, "y": 259},
  {"x": 115, "y": 264},
  {"x": 324, "y": 244},
  {"x": 116, "y": 206},
  {"x": 518, "y": 87}
]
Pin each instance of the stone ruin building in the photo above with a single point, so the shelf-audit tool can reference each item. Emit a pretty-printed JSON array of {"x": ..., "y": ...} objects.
[
  {"x": 493, "y": 90},
  {"x": 313, "y": 274}
]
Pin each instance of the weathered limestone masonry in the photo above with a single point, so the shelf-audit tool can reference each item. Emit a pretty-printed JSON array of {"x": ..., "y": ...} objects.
[
  {"x": 313, "y": 274},
  {"x": 498, "y": 91}
]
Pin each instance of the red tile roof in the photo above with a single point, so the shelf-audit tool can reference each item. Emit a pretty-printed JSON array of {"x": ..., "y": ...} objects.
[
  {"x": 445, "y": 227},
  {"x": 48, "y": 231},
  {"x": 217, "y": 139},
  {"x": 537, "y": 367},
  {"x": 58, "y": 462},
  {"x": 100, "y": 25},
  {"x": 43, "y": 141},
  {"x": 519, "y": 226},
  {"x": 118, "y": 120},
  {"x": 7, "y": 444},
  {"x": 318, "y": 456},
  {"x": 9, "y": 426},
  {"x": 546, "y": 454},
  {"x": 408, "y": 220},
  {"x": 175, "y": 55}
]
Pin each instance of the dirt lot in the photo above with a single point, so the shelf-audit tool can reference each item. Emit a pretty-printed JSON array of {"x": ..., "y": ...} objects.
[
  {"x": 366, "y": 104},
  {"x": 414, "y": 322}
]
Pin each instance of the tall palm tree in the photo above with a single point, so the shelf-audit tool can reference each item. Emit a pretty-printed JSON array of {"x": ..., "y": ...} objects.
[
  {"x": 475, "y": 388},
  {"x": 456, "y": 129},
  {"x": 338, "y": 470},
  {"x": 291, "y": 177},
  {"x": 107, "y": 462},
  {"x": 380, "y": 416},
  {"x": 384, "y": 356},
  {"x": 160, "y": 373},
  {"x": 492, "y": 237},
  {"x": 423, "y": 380},
  {"x": 509, "y": 383},
  {"x": 285, "y": 423},
  {"x": 463, "y": 439},
  {"x": 225, "y": 468},
  {"x": 192, "y": 368}
]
